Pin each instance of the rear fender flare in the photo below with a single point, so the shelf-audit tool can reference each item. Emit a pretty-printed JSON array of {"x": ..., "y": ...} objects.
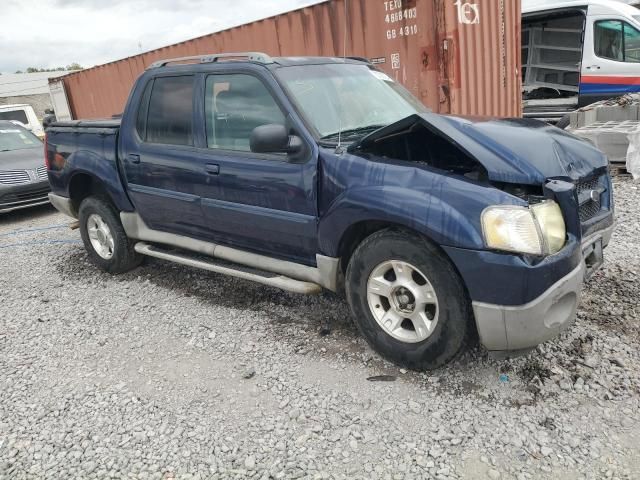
[{"x": 103, "y": 172}]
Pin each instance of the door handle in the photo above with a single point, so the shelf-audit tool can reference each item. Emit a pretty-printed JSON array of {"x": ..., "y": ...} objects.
[
  {"x": 212, "y": 169},
  {"x": 593, "y": 67},
  {"x": 133, "y": 158}
]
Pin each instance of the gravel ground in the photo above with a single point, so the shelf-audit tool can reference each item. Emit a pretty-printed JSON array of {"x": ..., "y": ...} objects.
[{"x": 168, "y": 372}]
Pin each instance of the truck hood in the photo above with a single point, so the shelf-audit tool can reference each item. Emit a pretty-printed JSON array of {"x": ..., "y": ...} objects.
[{"x": 517, "y": 151}]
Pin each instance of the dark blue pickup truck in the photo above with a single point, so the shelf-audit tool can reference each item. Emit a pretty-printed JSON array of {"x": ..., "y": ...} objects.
[{"x": 323, "y": 173}]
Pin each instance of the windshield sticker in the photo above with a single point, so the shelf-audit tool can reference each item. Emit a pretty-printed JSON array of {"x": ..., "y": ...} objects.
[
  {"x": 303, "y": 87},
  {"x": 26, "y": 140},
  {"x": 10, "y": 131}
]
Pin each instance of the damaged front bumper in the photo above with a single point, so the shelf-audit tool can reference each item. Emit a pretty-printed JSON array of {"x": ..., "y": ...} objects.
[{"x": 522, "y": 327}]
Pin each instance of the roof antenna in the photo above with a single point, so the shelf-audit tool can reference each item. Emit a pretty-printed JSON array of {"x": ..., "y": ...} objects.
[{"x": 344, "y": 58}]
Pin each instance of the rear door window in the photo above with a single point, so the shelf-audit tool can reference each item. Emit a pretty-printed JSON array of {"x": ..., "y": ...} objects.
[
  {"x": 170, "y": 111},
  {"x": 235, "y": 106}
]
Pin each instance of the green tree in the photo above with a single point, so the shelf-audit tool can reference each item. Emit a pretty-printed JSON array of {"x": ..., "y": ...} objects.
[{"x": 69, "y": 68}]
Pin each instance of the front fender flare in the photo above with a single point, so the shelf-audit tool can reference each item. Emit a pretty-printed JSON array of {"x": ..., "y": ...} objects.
[{"x": 422, "y": 212}]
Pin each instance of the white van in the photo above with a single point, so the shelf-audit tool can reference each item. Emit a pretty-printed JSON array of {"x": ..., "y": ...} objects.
[
  {"x": 577, "y": 52},
  {"x": 24, "y": 114}
]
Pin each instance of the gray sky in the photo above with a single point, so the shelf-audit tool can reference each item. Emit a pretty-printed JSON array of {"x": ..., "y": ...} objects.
[{"x": 52, "y": 33}]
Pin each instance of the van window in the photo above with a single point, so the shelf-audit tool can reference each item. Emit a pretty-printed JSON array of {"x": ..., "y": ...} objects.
[
  {"x": 235, "y": 106},
  {"x": 18, "y": 115},
  {"x": 170, "y": 114},
  {"x": 617, "y": 40}
]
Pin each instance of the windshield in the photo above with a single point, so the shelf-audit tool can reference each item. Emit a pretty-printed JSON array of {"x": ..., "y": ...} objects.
[
  {"x": 17, "y": 139},
  {"x": 348, "y": 98},
  {"x": 19, "y": 115}
]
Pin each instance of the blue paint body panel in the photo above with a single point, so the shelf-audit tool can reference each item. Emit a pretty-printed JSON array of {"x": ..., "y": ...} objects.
[
  {"x": 295, "y": 210},
  {"x": 91, "y": 153},
  {"x": 521, "y": 280},
  {"x": 522, "y": 151},
  {"x": 445, "y": 208},
  {"x": 609, "y": 89}
]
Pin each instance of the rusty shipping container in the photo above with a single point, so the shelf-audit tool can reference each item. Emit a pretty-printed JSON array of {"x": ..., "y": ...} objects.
[{"x": 457, "y": 56}]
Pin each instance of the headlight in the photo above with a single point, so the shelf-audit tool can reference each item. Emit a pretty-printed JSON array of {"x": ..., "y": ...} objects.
[
  {"x": 552, "y": 227},
  {"x": 537, "y": 230},
  {"x": 512, "y": 229}
]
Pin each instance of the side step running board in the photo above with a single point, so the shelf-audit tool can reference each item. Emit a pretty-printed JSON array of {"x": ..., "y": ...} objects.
[
  {"x": 265, "y": 278},
  {"x": 327, "y": 273}
]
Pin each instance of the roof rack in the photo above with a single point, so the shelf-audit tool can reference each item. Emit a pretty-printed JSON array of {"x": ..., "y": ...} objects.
[{"x": 257, "y": 57}]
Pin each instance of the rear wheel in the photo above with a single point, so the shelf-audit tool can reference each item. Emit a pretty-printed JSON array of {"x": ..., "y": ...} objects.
[
  {"x": 104, "y": 238},
  {"x": 408, "y": 300}
]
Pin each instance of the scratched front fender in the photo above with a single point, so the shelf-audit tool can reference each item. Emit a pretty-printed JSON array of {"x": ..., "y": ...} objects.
[{"x": 445, "y": 208}]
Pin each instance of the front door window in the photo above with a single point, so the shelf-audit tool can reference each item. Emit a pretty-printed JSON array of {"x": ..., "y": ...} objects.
[
  {"x": 617, "y": 40},
  {"x": 235, "y": 106}
]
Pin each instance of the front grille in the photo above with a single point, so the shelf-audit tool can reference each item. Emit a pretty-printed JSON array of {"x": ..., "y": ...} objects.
[
  {"x": 589, "y": 207},
  {"x": 14, "y": 177},
  {"x": 41, "y": 173}
]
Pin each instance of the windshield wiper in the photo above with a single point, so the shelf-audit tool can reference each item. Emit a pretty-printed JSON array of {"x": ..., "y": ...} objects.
[{"x": 353, "y": 132}]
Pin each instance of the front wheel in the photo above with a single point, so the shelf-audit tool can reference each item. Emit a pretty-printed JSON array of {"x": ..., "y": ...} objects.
[
  {"x": 104, "y": 238},
  {"x": 408, "y": 300}
]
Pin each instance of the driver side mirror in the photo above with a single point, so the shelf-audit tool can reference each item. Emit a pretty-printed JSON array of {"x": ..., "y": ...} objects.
[{"x": 274, "y": 138}]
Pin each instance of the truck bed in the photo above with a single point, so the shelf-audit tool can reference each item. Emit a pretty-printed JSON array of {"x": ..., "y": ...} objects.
[
  {"x": 84, "y": 152},
  {"x": 82, "y": 125}
]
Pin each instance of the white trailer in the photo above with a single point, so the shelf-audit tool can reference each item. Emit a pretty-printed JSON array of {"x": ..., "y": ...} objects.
[{"x": 59, "y": 100}]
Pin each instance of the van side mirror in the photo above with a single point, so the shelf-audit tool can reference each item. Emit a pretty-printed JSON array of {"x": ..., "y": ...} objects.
[{"x": 274, "y": 138}]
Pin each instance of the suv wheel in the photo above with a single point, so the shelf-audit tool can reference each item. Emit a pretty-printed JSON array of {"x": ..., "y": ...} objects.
[
  {"x": 104, "y": 238},
  {"x": 408, "y": 300}
]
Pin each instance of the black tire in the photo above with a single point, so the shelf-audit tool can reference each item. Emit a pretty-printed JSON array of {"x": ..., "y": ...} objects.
[
  {"x": 455, "y": 318},
  {"x": 564, "y": 122},
  {"x": 124, "y": 257}
]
